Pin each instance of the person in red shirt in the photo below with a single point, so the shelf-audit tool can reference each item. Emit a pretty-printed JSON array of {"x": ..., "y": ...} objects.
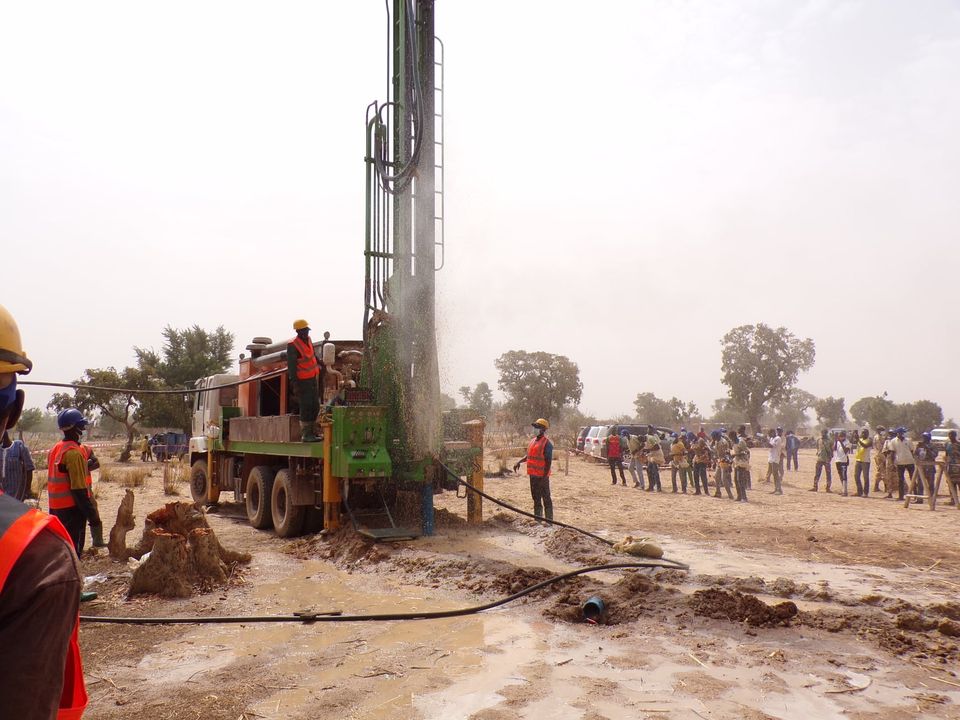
[{"x": 615, "y": 447}]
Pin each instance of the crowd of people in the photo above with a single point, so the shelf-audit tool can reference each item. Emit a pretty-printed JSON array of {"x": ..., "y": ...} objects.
[{"x": 724, "y": 457}]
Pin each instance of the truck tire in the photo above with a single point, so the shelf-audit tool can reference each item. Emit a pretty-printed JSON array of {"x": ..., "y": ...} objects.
[
  {"x": 198, "y": 482},
  {"x": 288, "y": 518},
  {"x": 259, "y": 491}
]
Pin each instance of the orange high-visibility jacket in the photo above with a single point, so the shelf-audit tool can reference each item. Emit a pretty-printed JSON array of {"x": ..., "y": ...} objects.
[
  {"x": 58, "y": 481},
  {"x": 536, "y": 457},
  {"x": 307, "y": 365},
  {"x": 19, "y": 525}
]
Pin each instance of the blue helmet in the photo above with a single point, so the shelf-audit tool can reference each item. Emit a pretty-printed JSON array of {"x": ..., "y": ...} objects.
[
  {"x": 71, "y": 417},
  {"x": 927, "y": 436}
]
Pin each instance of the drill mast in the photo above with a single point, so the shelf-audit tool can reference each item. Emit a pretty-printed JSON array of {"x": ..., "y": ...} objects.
[{"x": 402, "y": 217}]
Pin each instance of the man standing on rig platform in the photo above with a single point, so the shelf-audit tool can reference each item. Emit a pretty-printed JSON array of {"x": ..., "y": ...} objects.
[
  {"x": 539, "y": 458},
  {"x": 303, "y": 371}
]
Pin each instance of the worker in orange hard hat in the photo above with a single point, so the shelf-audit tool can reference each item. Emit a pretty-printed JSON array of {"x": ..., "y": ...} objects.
[
  {"x": 303, "y": 371},
  {"x": 539, "y": 458},
  {"x": 39, "y": 584}
]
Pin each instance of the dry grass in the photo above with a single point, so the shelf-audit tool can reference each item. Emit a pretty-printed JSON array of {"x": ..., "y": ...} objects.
[
  {"x": 39, "y": 484},
  {"x": 174, "y": 475},
  {"x": 125, "y": 476}
]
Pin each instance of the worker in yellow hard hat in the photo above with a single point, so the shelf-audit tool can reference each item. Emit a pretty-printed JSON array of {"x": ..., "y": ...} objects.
[
  {"x": 303, "y": 372},
  {"x": 39, "y": 583},
  {"x": 539, "y": 458}
]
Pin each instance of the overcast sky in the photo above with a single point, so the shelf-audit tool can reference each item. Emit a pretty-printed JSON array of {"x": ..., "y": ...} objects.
[{"x": 626, "y": 181}]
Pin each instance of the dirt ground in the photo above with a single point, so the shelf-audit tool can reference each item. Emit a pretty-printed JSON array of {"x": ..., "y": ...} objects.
[{"x": 795, "y": 606}]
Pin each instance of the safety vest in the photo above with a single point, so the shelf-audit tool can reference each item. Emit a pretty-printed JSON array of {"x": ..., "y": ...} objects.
[
  {"x": 537, "y": 457},
  {"x": 613, "y": 447},
  {"x": 19, "y": 525},
  {"x": 58, "y": 480},
  {"x": 307, "y": 365}
]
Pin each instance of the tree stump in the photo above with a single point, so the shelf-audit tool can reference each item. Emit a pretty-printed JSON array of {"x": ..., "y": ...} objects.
[
  {"x": 117, "y": 546},
  {"x": 167, "y": 571},
  {"x": 184, "y": 553}
]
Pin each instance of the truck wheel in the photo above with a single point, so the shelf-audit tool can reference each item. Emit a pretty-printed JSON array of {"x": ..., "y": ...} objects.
[
  {"x": 287, "y": 518},
  {"x": 259, "y": 490},
  {"x": 198, "y": 482}
]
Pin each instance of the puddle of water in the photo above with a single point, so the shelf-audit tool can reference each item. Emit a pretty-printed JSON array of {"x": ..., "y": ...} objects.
[{"x": 462, "y": 666}]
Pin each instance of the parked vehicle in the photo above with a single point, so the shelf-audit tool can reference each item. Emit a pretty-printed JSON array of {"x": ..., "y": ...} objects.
[
  {"x": 592, "y": 445},
  {"x": 167, "y": 445},
  {"x": 940, "y": 436},
  {"x": 581, "y": 436}
]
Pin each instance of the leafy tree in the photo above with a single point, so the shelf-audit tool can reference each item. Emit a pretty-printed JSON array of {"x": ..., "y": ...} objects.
[
  {"x": 447, "y": 402},
  {"x": 728, "y": 414},
  {"x": 921, "y": 416},
  {"x": 653, "y": 410},
  {"x": 538, "y": 384},
  {"x": 186, "y": 356},
  {"x": 120, "y": 406},
  {"x": 874, "y": 411},
  {"x": 479, "y": 399},
  {"x": 684, "y": 412},
  {"x": 830, "y": 412},
  {"x": 791, "y": 414},
  {"x": 761, "y": 364},
  {"x": 30, "y": 419}
]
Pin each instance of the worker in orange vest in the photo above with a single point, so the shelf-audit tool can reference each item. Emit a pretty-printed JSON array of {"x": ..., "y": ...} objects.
[
  {"x": 42, "y": 677},
  {"x": 69, "y": 483},
  {"x": 539, "y": 458},
  {"x": 303, "y": 372}
]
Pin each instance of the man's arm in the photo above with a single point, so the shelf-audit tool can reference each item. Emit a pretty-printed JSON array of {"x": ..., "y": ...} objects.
[
  {"x": 291, "y": 363},
  {"x": 516, "y": 467},
  {"x": 548, "y": 458}
]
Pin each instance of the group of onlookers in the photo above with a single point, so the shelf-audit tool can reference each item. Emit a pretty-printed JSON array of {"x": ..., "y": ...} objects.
[
  {"x": 692, "y": 455},
  {"x": 896, "y": 460},
  {"x": 727, "y": 454}
]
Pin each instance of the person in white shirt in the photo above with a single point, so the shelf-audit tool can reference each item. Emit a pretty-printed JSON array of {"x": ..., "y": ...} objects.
[
  {"x": 841, "y": 459},
  {"x": 773, "y": 462},
  {"x": 903, "y": 459}
]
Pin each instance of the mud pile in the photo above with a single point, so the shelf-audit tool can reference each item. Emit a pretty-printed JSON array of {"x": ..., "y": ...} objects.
[
  {"x": 733, "y": 605},
  {"x": 576, "y": 548}
]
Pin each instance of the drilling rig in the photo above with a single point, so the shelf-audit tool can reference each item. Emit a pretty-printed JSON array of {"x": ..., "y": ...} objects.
[{"x": 379, "y": 460}]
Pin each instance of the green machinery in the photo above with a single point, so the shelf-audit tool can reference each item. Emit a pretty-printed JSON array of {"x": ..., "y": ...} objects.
[{"x": 404, "y": 240}]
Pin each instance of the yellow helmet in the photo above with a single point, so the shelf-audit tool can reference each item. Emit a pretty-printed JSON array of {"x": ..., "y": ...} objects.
[
  {"x": 300, "y": 324},
  {"x": 542, "y": 423},
  {"x": 12, "y": 356}
]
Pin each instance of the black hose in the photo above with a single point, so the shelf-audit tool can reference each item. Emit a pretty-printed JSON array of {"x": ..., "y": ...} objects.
[
  {"x": 308, "y": 618},
  {"x": 507, "y": 505}
]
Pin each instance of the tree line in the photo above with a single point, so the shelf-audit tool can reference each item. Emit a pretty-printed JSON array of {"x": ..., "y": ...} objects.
[
  {"x": 760, "y": 366},
  {"x": 186, "y": 355}
]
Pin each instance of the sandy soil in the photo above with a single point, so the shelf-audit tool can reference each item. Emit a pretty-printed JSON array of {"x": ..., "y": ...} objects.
[{"x": 800, "y": 606}]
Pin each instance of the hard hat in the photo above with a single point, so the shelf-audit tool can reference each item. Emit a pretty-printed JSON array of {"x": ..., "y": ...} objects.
[
  {"x": 71, "y": 417},
  {"x": 541, "y": 423},
  {"x": 300, "y": 325},
  {"x": 927, "y": 436},
  {"x": 12, "y": 356}
]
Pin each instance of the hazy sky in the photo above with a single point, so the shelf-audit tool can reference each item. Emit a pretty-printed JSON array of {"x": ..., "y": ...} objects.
[{"x": 626, "y": 181}]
